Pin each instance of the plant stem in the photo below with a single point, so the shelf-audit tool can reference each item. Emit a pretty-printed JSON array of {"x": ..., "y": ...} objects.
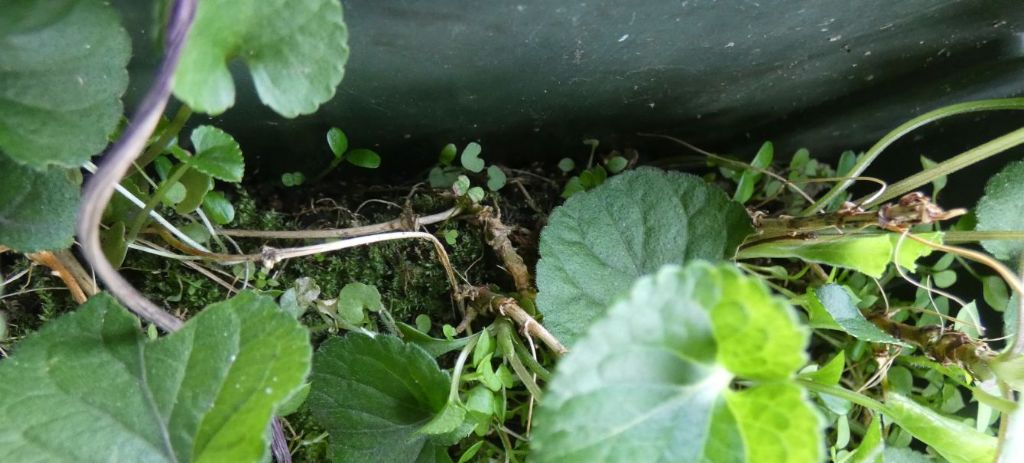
[
  {"x": 960, "y": 161},
  {"x": 907, "y": 127},
  {"x": 845, "y": 394},
  {"x": 973, "y": 236},
  {"x": 401, "y": 223},
  {"x": 460, "y": 364},
  {"x": 172, "y": 130},
  {"x": 140, "y": 217}
]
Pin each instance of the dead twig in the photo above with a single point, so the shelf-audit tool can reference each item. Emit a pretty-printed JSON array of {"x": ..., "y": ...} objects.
[
  {"x": 498, "y": 237},
  {"x": 482, "y": 300},
  {"x": 66, "y": 267}
]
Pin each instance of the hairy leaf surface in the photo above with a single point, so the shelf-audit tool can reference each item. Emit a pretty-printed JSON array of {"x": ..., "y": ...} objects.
[
  {"x": 650, "y": 381},
  {"x": 37, "y": 209},
  {"x": 373, "y": 396},
  {"x": 295, "y": 50},
  {"x": 62, "y": 73},
  {"x": 1000, "y": 210},
  {"x": 90, "y": 387},
  {"x": 600, "y": 241}
]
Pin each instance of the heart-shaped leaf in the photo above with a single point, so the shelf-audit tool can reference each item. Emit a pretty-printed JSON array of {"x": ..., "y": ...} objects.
[
  {"x": 600, "y": 241},
  {"x": 374, "y": 395},
  {"x": 62, "y": 73},
  {"x": 471, "y": 158},
  {"x": 650, "y": 380},
  {"x": 999, "y": 210},
  {"x": 217, "y": 154},
  {"x": 37, "y": 209},
  {"x": 218, "y": 208},
  {"x": 296, "y": 52},
  {"x": 496, "y": 178},
  {"x": 196, "y": 184},
  {"x": 90, "y": 386}
]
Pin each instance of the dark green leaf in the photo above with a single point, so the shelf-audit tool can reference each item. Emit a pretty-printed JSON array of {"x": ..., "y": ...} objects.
[
  {"x": 196, "y": 184},
  {"x": 62, "y": 73},
  {"x": 999, "y": 210},
  {"x": 940, "y": 182},
  {"x": 750, "y": 177},
  {"x": 364, "y": 158},
  {"x": 295, "y": 51},
  {"x": 37, "y": 209},
  {"x": 871, "y": 446},
  {"x": 114, "y": 245},
  {"x": 598, "y": 242},
  {"x": 338, "y": 141},
  {"x": 995, "y": 292},
  {"x": 218, "y": 208},
  {"x": 434, "y": 346},
  {"x": 372, "y": 395},
  {"x": 90, "y": 386},
  {"x": 838, "y": 303},
  {"x": 650, "y": 380},
  {"x": 217, "y": 154},
  {"x": 471, "y": 158}
]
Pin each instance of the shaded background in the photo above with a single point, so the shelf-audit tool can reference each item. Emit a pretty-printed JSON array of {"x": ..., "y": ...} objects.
[{"x": 530, "y": 79}]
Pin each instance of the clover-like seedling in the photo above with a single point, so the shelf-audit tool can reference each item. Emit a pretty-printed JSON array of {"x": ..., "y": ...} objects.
[{"x": 359, "y": 157}]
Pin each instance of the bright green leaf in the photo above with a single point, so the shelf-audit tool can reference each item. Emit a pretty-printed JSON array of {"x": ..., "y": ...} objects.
[
  {"x": 940, "y": 182},
  {"x": 495, "y": 178},
  {"x": 471, "y": 158},
  {"x": 830, "y": 373},
  {"x": 954, "y": 440},
  {"x": 448, "y": 154},
  {"x": 295, "y": 401},
  {"x": 944, "y": 279},
  {"x": 999, "y": 210},
  {"x": 750, "y": 177},
  {"x": 484, "y": 348},
  {"x": 355, "y": 299},
  {"x": 475, "y": 194},
  {"x": 337, "y": 141},
  {"x": 871, "y": 445},
  {"x": 373, "y": 395},
  {"x": 905, "y": 455},
  {"x": 868, "y": 254},
  {"x": 296, "y": 52},
  {"x": 572, "y": 187},
  {"x": 839, "y": 304},
  {"x": 598, "y": 242},
  {"x": 91, "y": 383},
  {"x": 364, "y": 158},
  {"x": 217, "y": 154},
  {"x": 423, "y": 323},
  {"x": 218, "y": 208},
  {"x": 434, "y": 346},
  {"x": 62, "y": 73},
  {"x": 451, "y": 236},
  {"x": 1009, "y": 369},
  {"x": 37, "y": 209},
  {"x": 615, "y": 164},
  {"x": 650, "y": 380}
]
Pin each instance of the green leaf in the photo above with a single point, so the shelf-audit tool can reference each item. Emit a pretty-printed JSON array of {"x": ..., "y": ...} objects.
[
  {"x": 91, "y": 383},
  {"x": 218, "y": 208},
  {"x": 448, "y": 420},
  {"x": 443, "y": 177},
  {"x": 338, "y": 141},
  {"x": 62, "y": 73},
  {"x": 572, "y": 187},
  {"x": 598, "y": 242},
  {"x": 615, "y": 164},
  {"x": 566, "y": 165},
  {"x": 1009, "y": 369},
  {"x": 944, "y": 279},
  {"x": 968, "y": 321},
  {"x": 905, "y": 455},
  {"x": 373, "y": 395},
  {"x": 364, "y": 158},
  {"x": 461, "y": 185},
  {"x": 37, "y": 209},
  {"x": 423, "y": 323},
  {"x": 868, "y": 254},
  {"x": 650, "y": 380},
  {"x": 217, "y": 154},
  {"x": 295, "y": 51},
  {"x": 293, "y": 178},
  {"x": 355, "y": 299},
  {"x": 495, "y": 178},
  {"x": 840, "y": 306},
  {"x": 113, "y": 243},
  {"x": 871, "y": 446},
  {"x": 196, "y": 184},
  {"x": 475, "y": 194},
  {"x": 745, "y": 186},
  {"x": 448, "y": 154},
  {"x": 830, "y": 373},
  {"x": 295, "y": 401},
  {"x": 954, "y": 440},
  {"x": 471, "y": 158},
  {"x": 999, "y": 210},
  {"x": 940, "y": 182},
  {"x": 995, "y": 292}
]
